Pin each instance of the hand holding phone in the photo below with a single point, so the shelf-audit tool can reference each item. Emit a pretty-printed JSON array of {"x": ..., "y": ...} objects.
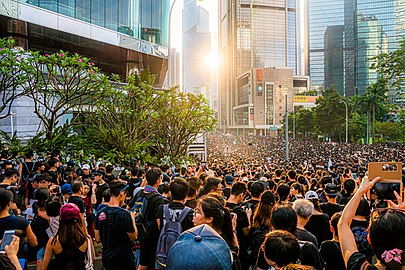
[{"x": 7, "y": 238}]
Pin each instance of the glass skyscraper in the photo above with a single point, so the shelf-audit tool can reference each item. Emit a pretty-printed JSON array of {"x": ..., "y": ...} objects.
[
  {"x": 370, "y": 27},
  {"x": 321, "y": 15}
]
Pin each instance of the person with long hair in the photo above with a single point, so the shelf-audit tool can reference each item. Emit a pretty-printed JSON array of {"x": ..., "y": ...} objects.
[
  {"x": 212, "y": 212},
  {"x": 70, "y": 244},
  {"x": 261, "y": 225}
]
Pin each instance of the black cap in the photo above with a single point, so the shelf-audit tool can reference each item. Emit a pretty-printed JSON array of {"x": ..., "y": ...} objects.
[{"x": 331, "y": 190}]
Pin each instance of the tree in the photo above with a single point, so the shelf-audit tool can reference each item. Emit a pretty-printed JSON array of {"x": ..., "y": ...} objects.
[
  {"x": 59, "y": 84},
  {"x": 391, "y": 67},
  {"x": 11, "y": 75},
  {"x": 122, "y": 123},
  {"x": 182, "y": 117},
  {"x": 330, "y": 114},
  {"x": 305, "y": 121}
]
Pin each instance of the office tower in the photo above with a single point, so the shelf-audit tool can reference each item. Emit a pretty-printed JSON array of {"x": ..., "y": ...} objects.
[
  {"x": 333, "y": 55},
  {"x": 254, "y": 34},
  {"x": 321, "y": 15},
  {"x": 196, "y": 49}
]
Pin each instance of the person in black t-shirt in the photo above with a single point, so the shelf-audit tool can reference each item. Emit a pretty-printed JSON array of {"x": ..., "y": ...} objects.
[
  {"x": 75, "y": 198},
  {"x": 10, "y": 179},
  {"x": 101, "y": 186},
  {"x": 243, "y": 217},
  {"x": 178, "y": 189},
  {"x": 228, "y": 185},
  {"x": 331, "y": 207},
  {"x": 115, "y": 228},
  {"x": 330, "y": 249},
  {"x": 148, "y": 245},
  {"x": 195, "y": 185}
]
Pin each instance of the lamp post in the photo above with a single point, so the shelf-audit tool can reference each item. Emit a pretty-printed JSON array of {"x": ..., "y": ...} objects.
[{"x": 347, "y": 120}]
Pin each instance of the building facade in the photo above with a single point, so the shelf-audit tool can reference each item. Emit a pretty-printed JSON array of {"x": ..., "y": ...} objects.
[
  {"x": 120, "y": 36},
  {"x": 196, "y": 49},
  {"x": 254, "y": 34},
  {"x": 370, "y": 27}
]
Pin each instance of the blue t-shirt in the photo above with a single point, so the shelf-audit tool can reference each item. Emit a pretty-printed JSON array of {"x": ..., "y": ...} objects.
[{"x": 13, "y": 223}]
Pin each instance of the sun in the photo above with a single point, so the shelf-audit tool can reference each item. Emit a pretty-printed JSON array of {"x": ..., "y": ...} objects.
[{"x": 212, "y": 61}]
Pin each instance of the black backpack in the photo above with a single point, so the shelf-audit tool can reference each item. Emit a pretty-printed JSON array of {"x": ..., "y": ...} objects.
[
  {"x": 141, "y": 207},
  {"x": 168, "y": 235},
  {"x": 256, "y": 239}
]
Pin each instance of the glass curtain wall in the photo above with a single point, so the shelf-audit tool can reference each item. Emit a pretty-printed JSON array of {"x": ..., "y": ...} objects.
[{"x": 142, "y": 19}]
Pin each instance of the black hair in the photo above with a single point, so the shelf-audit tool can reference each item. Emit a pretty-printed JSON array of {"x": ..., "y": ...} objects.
[
  {"x": 163, "y": 188},
  {"x": 283, "y": 190},
  {"x": 363, "y": 209},
  {"x": 153, "y": 176},
  {"x": 387, "y": 232},
  {"x": 140, "y": 173},
  {"x": 211, "y": 184},
  {"x": 53, "y": 205},
  {"x": 283, "y": 217},
  {"x": 134, "y": 172},
  {"x": 106, "y": 195},
  {"x": 76, "y": 185},
  {"x": 221, "y": 217},
  {"x": 349, "y": 185},
  {"x": 109, "y": 169},
  {"x": 281, "y": 247},
  {"x": 292, "y": 174},
  {"x": 179, "y": 188},
  {"x": 334, "y": 222},
  {"x": 10, "y": 173},
  {"x": 238, "y": 188},
  {"x": 194, "y": 184},
  {"x": 6, "y": 196},
  {"x": 52, "y": 162},
  {"x": 164, "y": 167},
  {"x": 116, "y": 188}
]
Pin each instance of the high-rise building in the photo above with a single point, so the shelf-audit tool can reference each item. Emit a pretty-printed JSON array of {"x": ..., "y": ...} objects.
[
  {"x": 321, "y": 15},
  {"x": 120, "y": 36},
  {"x": 370, "y": 27},
  {"x": 253, "y": 34},
  {"x": 175, "y": 67},
  {"x": 196, "y": 49},
  {"x": 333, "y": 55}
]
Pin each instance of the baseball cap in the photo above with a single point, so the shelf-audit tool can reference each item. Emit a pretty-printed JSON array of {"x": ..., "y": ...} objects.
[
  {"x": 86, "y": 167},
  {"x": 66, "y": 189},
  {"x": 311, "y": 195},
  {"x": 229, "y": 179},
  {"x": 331, "y": 190},
  {"x": 69, "y": 211},
  {"x": 99, "y": 172},
  {"x": 200, "y": 248}
]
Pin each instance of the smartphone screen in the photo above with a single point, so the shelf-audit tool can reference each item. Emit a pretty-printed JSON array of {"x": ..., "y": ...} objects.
[{"x": 7, "y": 238}]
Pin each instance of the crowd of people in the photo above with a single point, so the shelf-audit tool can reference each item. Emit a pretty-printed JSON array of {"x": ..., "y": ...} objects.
[{"x": 244, "y": 207}]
